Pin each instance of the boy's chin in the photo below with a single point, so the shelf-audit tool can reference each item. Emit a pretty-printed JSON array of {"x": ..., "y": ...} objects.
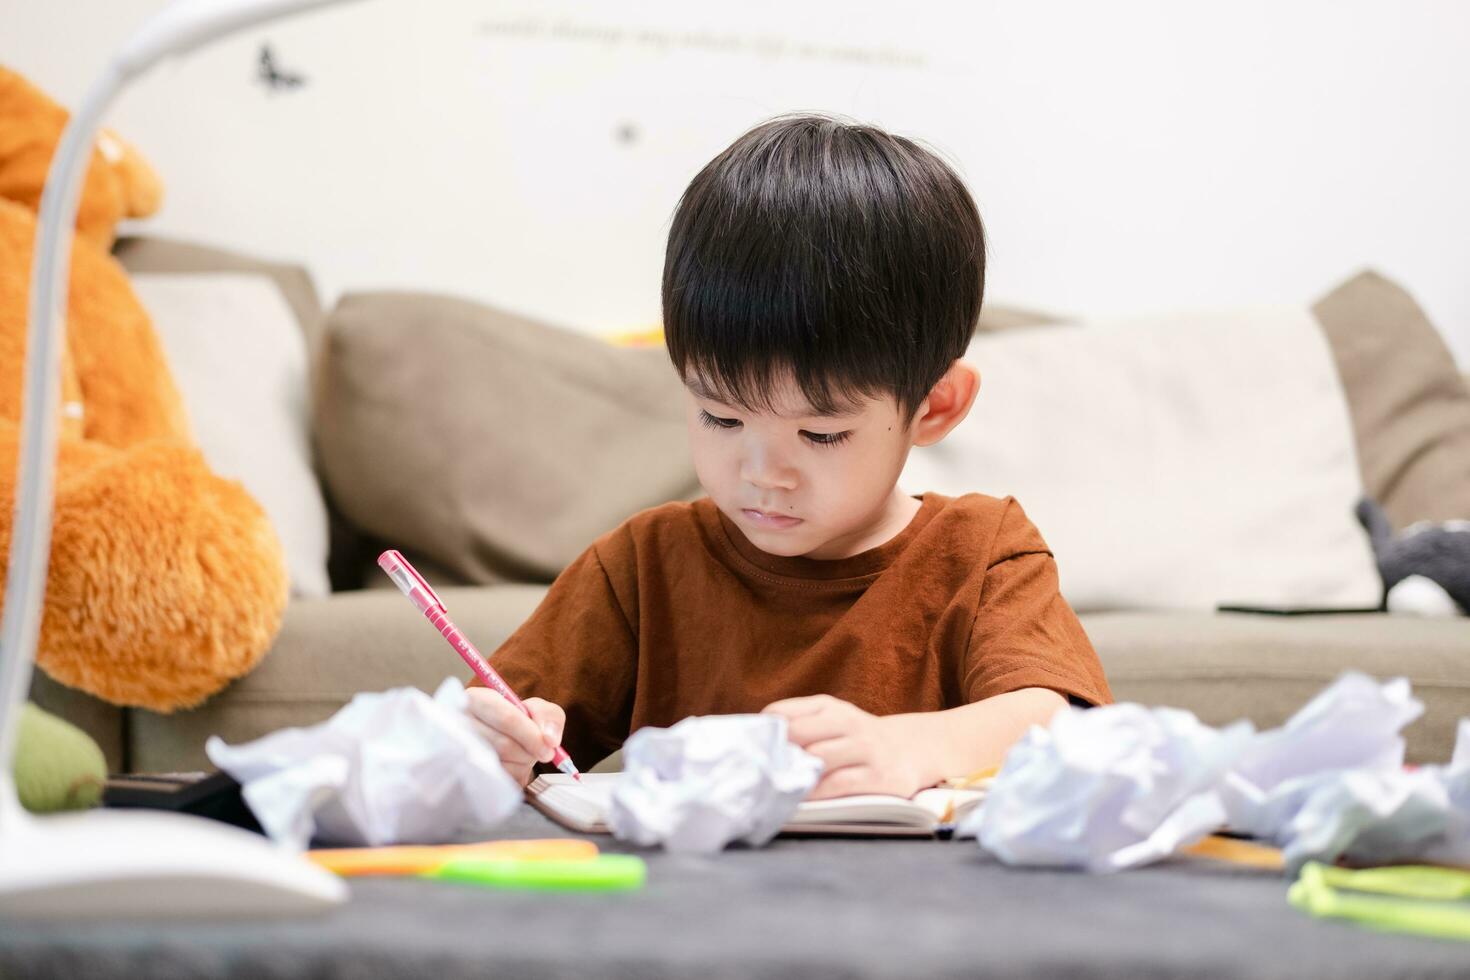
[
  {"x": 782, "y": 544},
  {"x": 782, "y": 549}
]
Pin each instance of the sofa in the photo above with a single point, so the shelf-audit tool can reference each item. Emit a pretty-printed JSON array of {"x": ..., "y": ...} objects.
[{"x": 491, "y": 529}]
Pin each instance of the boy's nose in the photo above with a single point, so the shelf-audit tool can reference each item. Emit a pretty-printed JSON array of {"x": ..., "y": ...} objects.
[{"x": 767, "y": 471}]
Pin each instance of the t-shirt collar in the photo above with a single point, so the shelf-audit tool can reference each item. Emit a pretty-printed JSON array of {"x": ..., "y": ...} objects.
[{"x": 863, "y": 563}]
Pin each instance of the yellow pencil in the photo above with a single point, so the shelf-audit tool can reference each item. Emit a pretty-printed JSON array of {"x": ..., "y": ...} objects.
[
  {"x": 964, "y": 782},
  {"x": 1237, "y": 851}
]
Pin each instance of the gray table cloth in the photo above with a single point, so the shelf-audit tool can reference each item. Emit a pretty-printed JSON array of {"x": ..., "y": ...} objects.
[{"x": 813, "y": 908}]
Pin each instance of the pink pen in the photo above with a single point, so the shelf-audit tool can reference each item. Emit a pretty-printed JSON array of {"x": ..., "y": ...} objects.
[{"x": 412, "y": 584}]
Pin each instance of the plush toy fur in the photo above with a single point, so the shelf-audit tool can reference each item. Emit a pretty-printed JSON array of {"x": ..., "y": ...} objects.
[
  {"x": 120, "y": 184},
  {"x": 165, "y": 581},
  {"x": 1425, "y": 567}
]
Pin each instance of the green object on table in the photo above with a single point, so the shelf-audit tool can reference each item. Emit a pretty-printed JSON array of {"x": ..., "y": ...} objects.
[
  {"x": 57, "y": 766},
  {"x": 1429, "y": 901},
  {"x": 606, "y": 872}
]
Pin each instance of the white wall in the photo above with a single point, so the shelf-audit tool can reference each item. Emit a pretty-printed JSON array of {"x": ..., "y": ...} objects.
[{"x": 1126, "y": 156}]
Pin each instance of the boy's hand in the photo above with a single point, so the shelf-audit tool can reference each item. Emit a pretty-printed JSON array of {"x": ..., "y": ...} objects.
[
  {"x": 520, "y": 742},
  {"x": 861, "y": 753}
]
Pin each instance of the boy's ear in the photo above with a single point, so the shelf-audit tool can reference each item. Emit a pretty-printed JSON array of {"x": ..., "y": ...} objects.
[{"x": 948, "y": 403}]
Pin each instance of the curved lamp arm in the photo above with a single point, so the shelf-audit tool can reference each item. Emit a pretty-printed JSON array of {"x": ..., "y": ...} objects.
[{"x": 176, "y": 29}]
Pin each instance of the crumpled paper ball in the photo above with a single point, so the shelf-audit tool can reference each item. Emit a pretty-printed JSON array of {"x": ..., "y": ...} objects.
[
  {"x": 710, "y": 780},
  {"x": 1386, "y": 815},
  {"x": 391, "y": 767},
  {"x": 1352, "y": 724},
  {"x": 1107, "y": 788}
]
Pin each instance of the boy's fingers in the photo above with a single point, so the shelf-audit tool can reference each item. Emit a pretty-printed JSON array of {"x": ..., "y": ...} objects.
[
  {"x": 843, "y": 782},
  {"x": 796, "y": 707},
  {"x": 816, "y": 728},
  {"x": 502, "y": 716},
  {"x": 839, "y": 753},
  {"x": 510, "y": 753},
  {"x": 550, "y": 718}
]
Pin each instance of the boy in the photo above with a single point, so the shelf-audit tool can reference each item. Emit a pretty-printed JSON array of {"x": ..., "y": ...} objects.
[{"x": 820, "y": 285}]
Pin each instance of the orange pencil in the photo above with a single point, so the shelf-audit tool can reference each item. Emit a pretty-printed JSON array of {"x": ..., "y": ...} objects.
[{"x": 416, "y": 859}]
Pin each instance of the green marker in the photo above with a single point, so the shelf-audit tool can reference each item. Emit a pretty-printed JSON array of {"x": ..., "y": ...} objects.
[
  {"x": 604, "y": 873},
  {"x": 1407, "y": 898}
]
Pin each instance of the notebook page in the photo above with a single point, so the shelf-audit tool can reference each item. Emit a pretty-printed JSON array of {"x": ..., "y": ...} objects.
[
  {"x": 588, "y": 801},
  {"x": 936, "y": 801}
]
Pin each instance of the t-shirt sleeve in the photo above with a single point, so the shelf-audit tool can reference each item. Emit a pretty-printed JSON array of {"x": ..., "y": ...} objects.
[
  {"x": 1025, "y": 634},
  {"x": 578, "y": 650}
]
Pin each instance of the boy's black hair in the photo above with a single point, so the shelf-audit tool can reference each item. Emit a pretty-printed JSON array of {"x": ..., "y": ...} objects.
[{"x": 849, "y": 257}]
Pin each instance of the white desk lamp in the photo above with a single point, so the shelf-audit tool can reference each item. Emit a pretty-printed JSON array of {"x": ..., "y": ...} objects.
[{"x": 113, "y": 862}]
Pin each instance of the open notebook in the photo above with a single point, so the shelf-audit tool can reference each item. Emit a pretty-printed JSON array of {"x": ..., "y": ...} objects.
[{"x": 581, "y": 806}]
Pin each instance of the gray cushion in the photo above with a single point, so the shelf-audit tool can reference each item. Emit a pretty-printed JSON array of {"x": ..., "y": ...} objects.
[
  {"x": 1409, "y": 406},
  {"x": 496, "y": 445}
]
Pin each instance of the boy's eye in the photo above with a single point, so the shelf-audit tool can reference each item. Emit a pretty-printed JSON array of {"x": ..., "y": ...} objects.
[
  {"x": 715, "y": 422},
  {"x": 826, "y": 438}
]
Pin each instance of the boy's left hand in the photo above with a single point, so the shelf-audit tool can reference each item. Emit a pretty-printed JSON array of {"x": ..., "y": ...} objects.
[{"x": 861, "y": 753}]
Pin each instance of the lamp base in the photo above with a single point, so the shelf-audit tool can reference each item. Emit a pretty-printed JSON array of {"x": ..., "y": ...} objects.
[{"x": 149, "y": 864}]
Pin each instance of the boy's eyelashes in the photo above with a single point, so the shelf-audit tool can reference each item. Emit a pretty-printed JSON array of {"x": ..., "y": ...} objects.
[
  {"x": 715, "y": 422},
  {"x": 826, "y": 438},
  {"x": 815, "y": 438}
]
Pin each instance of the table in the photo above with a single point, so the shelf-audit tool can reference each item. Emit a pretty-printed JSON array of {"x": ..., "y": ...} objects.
[{"x": 809, "y": 907}]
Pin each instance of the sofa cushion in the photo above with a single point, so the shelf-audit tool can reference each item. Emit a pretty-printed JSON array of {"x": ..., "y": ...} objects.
[
  {"x": 1224, "y": 666},
  {"x": 152, "y": 255},
  {"x": 1179, "y": 460},
  {"x": 168, "y": 256},
  {"x": 236, "y": 352},
  {"x": 493, "y": 444},
  {"x": 1410, "y": 407},
  {"x": 327, "y": 651}
]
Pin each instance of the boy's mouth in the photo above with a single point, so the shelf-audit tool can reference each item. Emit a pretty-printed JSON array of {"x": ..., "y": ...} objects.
[{"x": 763, "y": 519}]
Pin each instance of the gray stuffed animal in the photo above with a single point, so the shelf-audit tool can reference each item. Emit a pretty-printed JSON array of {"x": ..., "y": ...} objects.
[{"x": 1425, "y": 567}]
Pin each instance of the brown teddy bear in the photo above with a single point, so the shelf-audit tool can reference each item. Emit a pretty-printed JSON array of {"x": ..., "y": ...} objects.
[{"x": 165, "y": 581}]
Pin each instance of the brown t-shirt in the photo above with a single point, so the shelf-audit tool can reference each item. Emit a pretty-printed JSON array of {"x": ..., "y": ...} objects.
[{"x": 675, "y": 613}]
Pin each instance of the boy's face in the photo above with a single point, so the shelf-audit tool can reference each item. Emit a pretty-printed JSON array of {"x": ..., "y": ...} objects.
[{"x": 799, "y": 483}]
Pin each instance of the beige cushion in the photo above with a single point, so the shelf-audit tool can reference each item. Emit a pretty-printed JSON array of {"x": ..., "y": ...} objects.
[
  {"x": 237, "y": 353},
  {"x": 158, "y": 256},
  {"x": 493, "y": 444},
  {"x": 1179, "y": 460},
  {"x": 1226, "y": 666},
  {"x": 327, "y": 651},
  {"x": 1410, "y": 407}
]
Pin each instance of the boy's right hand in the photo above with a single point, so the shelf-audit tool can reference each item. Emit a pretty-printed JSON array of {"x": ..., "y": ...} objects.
[{"x": 520, "y": 742}]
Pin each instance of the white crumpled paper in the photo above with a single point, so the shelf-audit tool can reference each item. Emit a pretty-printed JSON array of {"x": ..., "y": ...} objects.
[
  {"x": 1107, "y": 788},
  {"x": 1117, "y": 786},
  {"x": 1385, "y": 815},
  {"x": 710, "y": 780},
  {"x": 1353, "y": 724},
  {"x": 395, "y": 767}
]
